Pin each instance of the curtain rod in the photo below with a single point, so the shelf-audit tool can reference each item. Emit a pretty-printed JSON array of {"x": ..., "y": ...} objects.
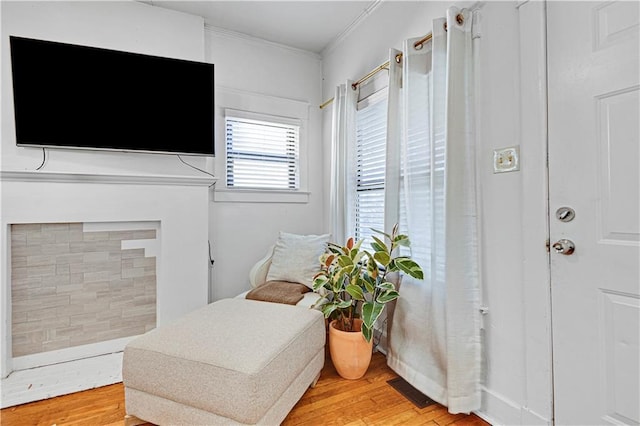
[{"x": 417, "y": 45}]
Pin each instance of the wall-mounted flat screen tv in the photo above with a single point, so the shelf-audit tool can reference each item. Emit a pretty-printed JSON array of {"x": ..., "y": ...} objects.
[{"x": 70, "y": 96}]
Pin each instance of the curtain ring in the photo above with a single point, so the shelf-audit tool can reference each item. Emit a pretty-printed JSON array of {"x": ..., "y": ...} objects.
[{"x": 459, "y": 20}]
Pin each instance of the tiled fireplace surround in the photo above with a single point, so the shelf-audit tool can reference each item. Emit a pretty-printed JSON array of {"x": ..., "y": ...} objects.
[
  {"x": 73, "y": 287},
  {"x": 124, "y": 228}
]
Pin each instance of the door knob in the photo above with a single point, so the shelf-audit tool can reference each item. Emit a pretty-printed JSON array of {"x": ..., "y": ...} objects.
[{"x": 564, "y": 246}]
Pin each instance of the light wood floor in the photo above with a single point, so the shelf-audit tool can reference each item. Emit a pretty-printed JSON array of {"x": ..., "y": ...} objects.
[{"x": 334, "y": 401}]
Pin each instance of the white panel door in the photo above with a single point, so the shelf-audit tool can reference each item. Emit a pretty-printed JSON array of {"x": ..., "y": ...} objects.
[{"x": 594, "y": 158}]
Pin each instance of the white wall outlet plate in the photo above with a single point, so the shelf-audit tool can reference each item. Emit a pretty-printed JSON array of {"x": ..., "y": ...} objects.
[{"x": 506, "y": 159}]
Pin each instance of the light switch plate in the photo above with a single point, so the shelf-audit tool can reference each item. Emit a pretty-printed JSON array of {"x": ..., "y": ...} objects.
[{"x": 506, "y": 159}]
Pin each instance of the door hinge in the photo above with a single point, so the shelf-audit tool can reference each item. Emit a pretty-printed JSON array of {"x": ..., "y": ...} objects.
[{"x": 548, "y": 244}]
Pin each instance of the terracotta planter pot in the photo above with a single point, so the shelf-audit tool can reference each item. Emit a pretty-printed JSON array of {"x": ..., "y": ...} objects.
[{"x": 350, "y": 352}]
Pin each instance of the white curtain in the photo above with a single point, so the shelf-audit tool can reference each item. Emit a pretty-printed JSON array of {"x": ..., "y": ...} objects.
[
  {"x": 394, "y": 134},
  {"x": 435, "y": 333},
  {"x": 342, "y": 137}
]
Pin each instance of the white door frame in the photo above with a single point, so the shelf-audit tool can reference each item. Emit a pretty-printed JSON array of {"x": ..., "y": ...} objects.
[{"x": 538, "y": 392}]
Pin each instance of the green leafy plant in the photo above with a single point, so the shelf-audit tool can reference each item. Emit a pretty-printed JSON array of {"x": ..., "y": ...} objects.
[{"x": 355, "y": 282}]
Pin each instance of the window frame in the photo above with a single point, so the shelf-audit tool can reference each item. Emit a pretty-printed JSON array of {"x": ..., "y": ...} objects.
[
  {"x": 284, "y": 159},
  {"x": 267, "y": 106}
]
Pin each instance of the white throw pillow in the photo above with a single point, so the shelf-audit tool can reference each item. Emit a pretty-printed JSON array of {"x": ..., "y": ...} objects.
[{"x": 296, "y": 258}]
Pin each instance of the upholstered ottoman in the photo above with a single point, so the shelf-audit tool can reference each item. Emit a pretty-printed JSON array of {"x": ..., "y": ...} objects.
[{"x": 235, "y": 361}]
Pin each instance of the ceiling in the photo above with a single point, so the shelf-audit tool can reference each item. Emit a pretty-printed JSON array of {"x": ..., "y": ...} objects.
[{"x": 306, "y": 25}]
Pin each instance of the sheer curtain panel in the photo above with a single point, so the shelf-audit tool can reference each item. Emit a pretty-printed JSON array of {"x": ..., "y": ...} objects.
[
  {"x": 435, "y": 334},
  {"x": 342, "y": 138}
]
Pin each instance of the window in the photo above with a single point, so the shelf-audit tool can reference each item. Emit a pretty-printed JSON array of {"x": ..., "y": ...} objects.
[
  {"x": 262, "y": 152},
  {"x": 370, "y": 161}
]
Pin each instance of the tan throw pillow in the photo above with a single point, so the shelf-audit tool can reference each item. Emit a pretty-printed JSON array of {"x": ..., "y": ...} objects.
[{"x": 296, "y": 258}]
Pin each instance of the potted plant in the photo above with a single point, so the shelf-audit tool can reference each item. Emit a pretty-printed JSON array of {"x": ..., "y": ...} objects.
[{"x": 356, "y": 288}]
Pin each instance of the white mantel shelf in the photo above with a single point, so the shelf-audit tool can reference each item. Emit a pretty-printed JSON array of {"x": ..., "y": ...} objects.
[{"x": 72, "y": 177}]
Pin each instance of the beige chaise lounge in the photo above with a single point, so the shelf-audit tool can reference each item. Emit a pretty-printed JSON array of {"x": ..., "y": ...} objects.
[{"x": 235, "y": 361}]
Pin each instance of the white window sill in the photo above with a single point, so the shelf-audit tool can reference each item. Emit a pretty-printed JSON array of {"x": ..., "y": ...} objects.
[{"x": 259, "y": 196}]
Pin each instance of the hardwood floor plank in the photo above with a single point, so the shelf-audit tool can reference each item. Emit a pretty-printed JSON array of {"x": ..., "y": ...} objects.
[
  {"x": 101, "y": 406},
  {"x": 368, "y": 401}
]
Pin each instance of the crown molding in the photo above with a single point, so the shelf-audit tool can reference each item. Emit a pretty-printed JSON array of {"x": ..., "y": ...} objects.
[
  {"x": 230, "y": 34},
  {"x": 345, "y": 33}
]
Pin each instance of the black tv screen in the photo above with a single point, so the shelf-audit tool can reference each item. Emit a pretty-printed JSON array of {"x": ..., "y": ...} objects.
[{"x": 70, "y": 96}]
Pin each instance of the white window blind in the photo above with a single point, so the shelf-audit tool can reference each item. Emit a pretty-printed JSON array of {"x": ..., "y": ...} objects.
[
  {"x": 262, "y": 154},
  {"x": 370, "y": 163}
]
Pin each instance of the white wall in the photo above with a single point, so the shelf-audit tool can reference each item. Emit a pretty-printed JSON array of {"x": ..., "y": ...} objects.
[
  {"x": 256, "y": 71},
  {"x": 83, "y": 186},
  {"x": 128, "y": 26},
  {"x": 240, "y": 233},
  {"x": 517, "y": 377}
]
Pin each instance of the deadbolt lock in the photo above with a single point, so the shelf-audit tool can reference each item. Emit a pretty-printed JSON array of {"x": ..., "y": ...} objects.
[{"x": 565, "y": 214}]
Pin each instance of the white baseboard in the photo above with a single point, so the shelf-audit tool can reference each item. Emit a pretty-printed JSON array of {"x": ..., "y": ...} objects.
[
  {"x": 499, "y": 410},
  {"x": 60, "y": 379},
  {"x": 484, "y": 416},
  {"x": 530, "y": 417}
]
